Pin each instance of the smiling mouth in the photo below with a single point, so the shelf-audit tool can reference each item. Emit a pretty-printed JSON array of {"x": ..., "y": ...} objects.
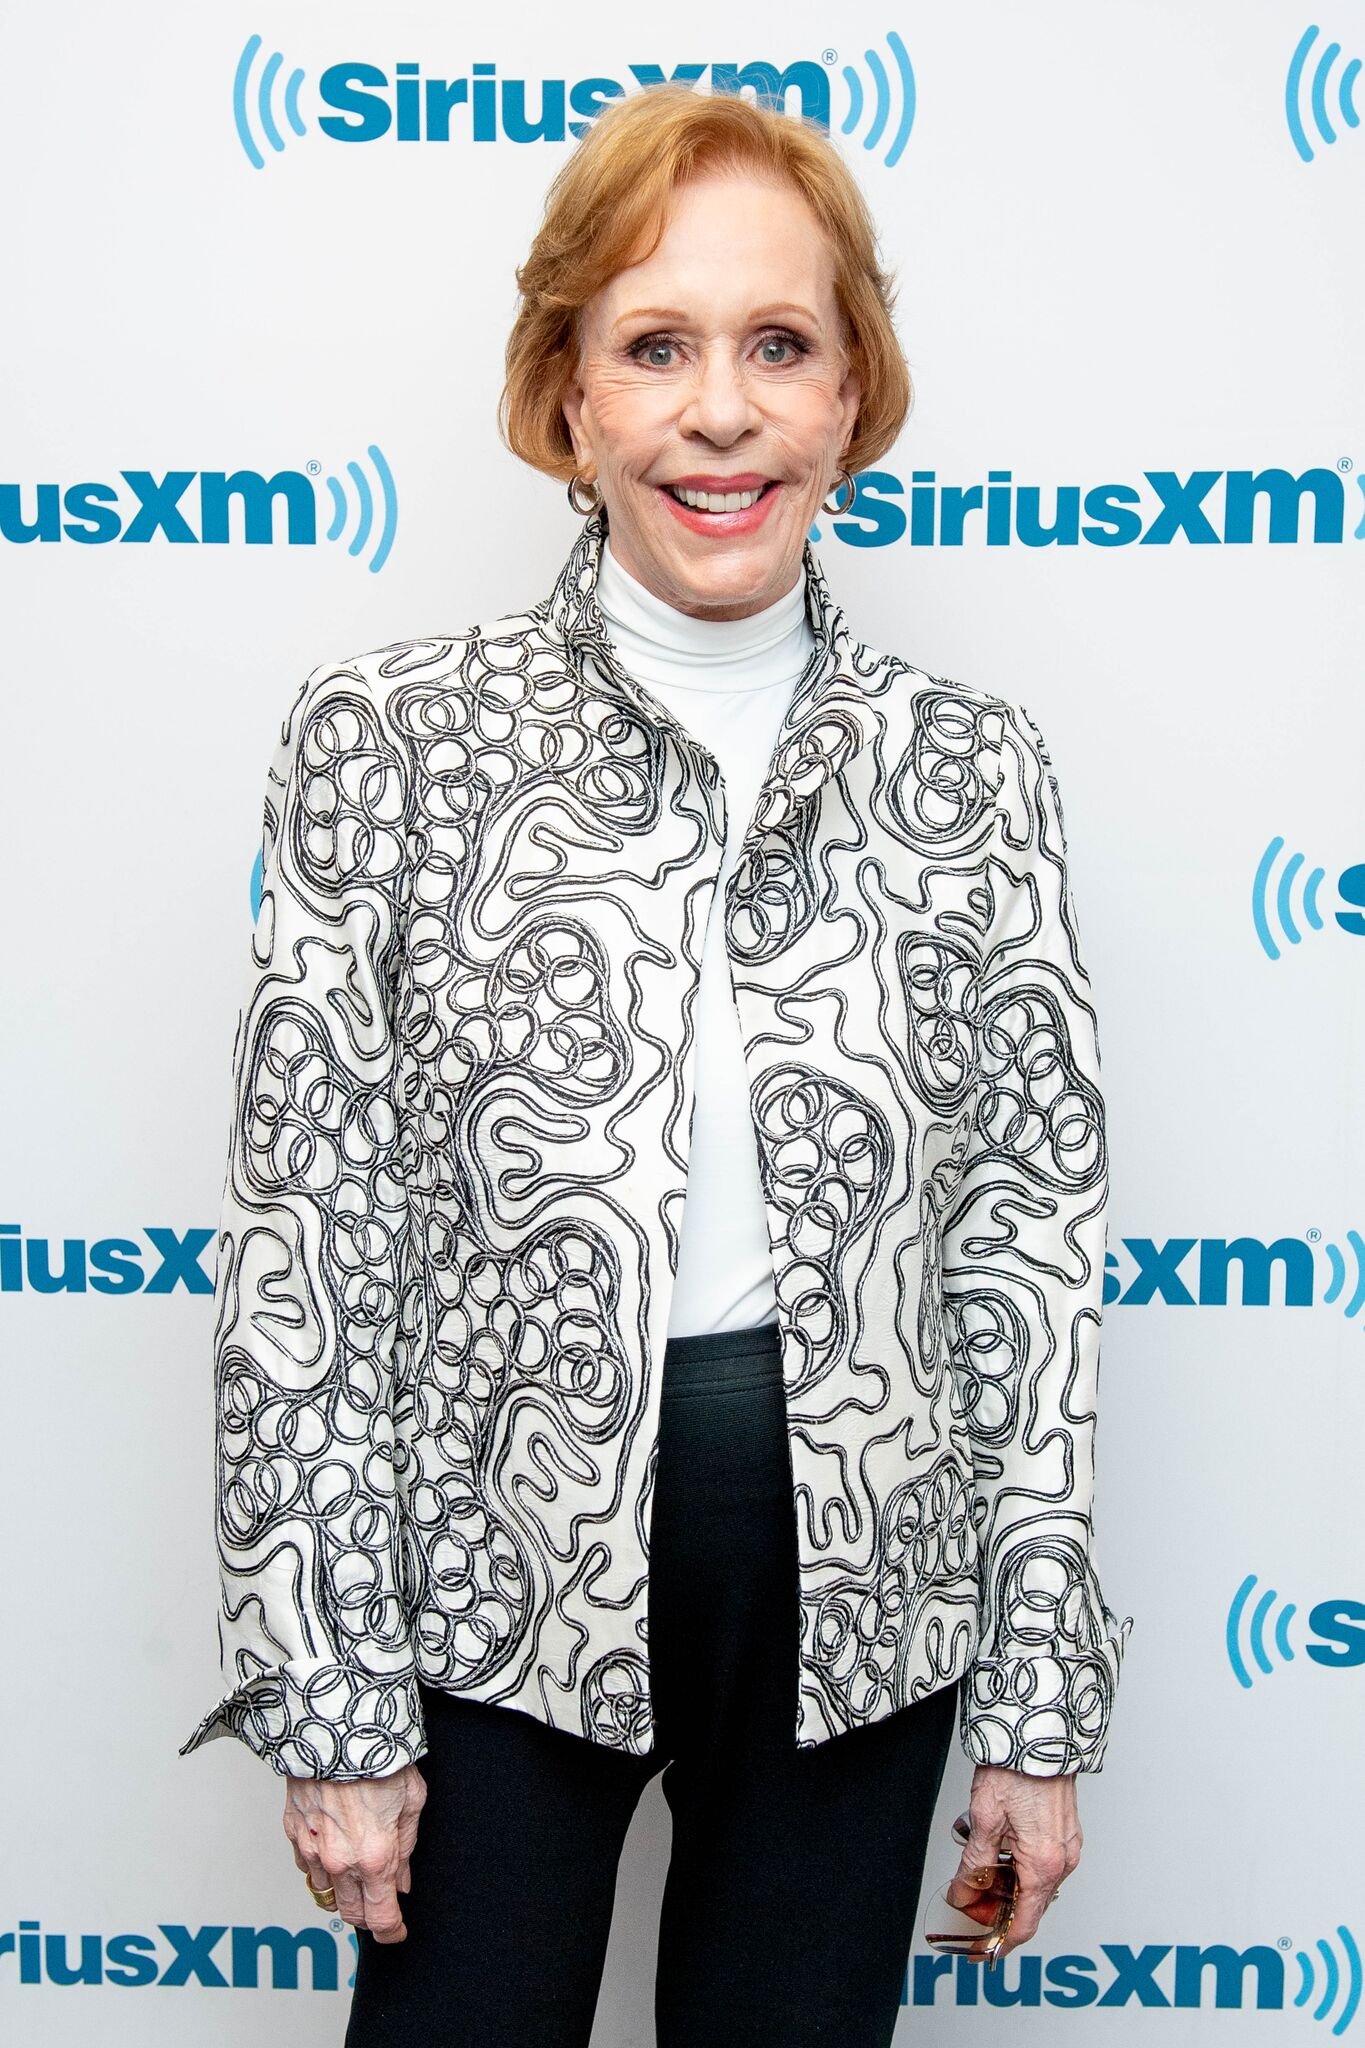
[{"x": 718, "y": 501}]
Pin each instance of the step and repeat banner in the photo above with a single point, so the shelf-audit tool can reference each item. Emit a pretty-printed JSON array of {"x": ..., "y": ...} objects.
[{"x": 257, "y": 267}]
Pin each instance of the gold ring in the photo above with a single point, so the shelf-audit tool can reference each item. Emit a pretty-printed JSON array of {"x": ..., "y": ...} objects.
[{"x": 326, "y": 1899}]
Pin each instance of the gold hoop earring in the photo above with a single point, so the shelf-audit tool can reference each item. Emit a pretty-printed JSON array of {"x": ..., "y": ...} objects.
[
  {"x": 842, "y": 477},
  {"x": 583, "y": 510}
]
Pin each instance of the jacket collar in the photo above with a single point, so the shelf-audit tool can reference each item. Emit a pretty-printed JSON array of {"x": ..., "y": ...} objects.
[{"x": 831, "y": 716}]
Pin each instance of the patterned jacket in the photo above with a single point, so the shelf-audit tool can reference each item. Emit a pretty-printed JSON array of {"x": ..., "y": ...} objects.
[{"x": 462, "y": 1094}]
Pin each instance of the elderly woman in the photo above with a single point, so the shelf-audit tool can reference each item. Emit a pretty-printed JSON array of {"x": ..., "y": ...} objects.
[{"x": 660, "y": 1277}]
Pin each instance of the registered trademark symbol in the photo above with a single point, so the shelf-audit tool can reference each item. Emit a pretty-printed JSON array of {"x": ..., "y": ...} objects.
[
  {"x": 1344, "y": 463},
  {"x": 312, "y": 467},
  {"x": 336, "y": 1926},
  {"x": 829, "y": 56},
  {"x": 1285, "y": 1942},
  {"x": 1313, "y": 1236}
]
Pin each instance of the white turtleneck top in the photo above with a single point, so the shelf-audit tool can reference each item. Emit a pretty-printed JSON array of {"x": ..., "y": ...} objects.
[{"x": 728, "y": 683}]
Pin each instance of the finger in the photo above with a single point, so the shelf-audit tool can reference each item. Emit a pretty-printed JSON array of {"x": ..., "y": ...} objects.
[
  {"x": 980, "y": 1902},
  {"x": 293, "y": 1839},
  {"x": 306, "y": 1858},
  {"x": 986, "y": 1913},
  {"x": 1039, "y": 1878},
  {"x": 1034, "y": 1900},
  {"x": 383, "y": 1914},
  {"x": 1018, "y": 1932},
  {"x": 316, "y": 1873},
  {"x": 312, "y": 1867},
  {"x": 983, "y": 1848},
  {"x": 350, "y": 1899},
  {"x": 974, "y": 1880}
]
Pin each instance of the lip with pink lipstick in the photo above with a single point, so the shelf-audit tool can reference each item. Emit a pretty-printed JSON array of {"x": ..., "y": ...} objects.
[{"x": 740, "y": 519}]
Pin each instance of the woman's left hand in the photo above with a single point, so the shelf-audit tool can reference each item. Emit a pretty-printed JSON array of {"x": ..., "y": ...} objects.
[{"x": 1036, "y": 1819}]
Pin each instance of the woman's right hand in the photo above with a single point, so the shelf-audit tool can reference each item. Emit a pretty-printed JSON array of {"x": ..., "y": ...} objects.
[{"x": 357, "y": 1836}]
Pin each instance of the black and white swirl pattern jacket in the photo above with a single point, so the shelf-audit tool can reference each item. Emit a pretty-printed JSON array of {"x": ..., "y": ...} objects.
[{"x": 462, "y": 1092}]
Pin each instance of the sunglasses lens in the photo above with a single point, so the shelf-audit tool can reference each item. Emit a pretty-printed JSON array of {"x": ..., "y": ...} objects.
[{"x": 961, "y": 1919}]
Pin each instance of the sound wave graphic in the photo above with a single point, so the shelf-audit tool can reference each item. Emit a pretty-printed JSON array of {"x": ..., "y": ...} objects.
[
  {"x": 1333, "y": 1979},
  {"x": 365, "y": 508},
  {"x": 885, "y": 98},
  {"x": 265, "y": 110},
  {"x": 1256, "y": 1631},
  {"x": 1317, "y": 93},
  {"x": 1283, "y": 906},
  {"x": 1336, "y": 1260}
]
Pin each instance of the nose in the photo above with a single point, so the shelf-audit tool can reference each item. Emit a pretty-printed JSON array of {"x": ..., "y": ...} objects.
[{"x": 720, "y": 402}]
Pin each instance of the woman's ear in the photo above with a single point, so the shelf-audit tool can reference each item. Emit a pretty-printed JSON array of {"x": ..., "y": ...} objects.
[
  {"x": 850, "y": 398},
  {"x": 572, "y": 406},
  {"x": 573, "y": 402}
]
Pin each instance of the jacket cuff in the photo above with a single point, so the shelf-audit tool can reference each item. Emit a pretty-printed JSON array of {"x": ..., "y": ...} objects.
[
  {"x": 1043, "y": 1713},
  {"x": 321, "y": 1720}
]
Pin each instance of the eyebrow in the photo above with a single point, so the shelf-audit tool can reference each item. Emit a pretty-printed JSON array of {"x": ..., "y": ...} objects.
[{"x": 673, "y": 313}]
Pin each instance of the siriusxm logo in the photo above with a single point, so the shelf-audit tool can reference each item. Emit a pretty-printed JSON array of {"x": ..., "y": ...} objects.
[
  {"x": 1206, "y": 508},
  {"x": 1305, "y": 92},
  {"x": 368, "y": 103},
  {"x": 1337, "y": 1632},
  {"x": 357, "y": 510},
  {"x": 1204, "y": 1278},
  {"x": 222, "y": 1958},
  {"x": 1163, "y": 1272},
  {"x": 1279, "y": 907},
  {"x": 109, "y": 1265},
  {"x": 1180, "y": 1977}
]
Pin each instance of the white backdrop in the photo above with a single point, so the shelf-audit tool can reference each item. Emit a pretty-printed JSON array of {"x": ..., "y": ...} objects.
[{"x": 1128, "y": 240}]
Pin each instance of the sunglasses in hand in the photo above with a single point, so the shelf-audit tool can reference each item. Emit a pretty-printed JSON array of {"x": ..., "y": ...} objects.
[{"x": 972, "y": 1918}]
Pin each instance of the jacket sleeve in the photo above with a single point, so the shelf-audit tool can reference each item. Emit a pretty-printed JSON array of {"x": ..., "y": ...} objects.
[
  {"x": 1023, "y": 1277},
  {"x": 313, "y": 1238}
]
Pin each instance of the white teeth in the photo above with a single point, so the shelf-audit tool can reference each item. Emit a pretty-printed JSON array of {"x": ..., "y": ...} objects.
[{"x": 716, "y": 501}]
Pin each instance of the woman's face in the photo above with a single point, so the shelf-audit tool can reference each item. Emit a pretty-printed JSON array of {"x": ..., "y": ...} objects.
[{"x": 716, "y": 364}]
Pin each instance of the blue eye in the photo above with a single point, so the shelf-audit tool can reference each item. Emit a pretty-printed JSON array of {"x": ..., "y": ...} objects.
[
  {"x": 792, "y": 341},
  {"x": 647, "y": 342}
]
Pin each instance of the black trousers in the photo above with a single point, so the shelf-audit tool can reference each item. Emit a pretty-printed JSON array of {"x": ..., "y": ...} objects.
[{"x": 790, "y": 1900}]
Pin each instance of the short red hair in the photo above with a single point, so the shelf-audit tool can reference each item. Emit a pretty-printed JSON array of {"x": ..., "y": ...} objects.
[{"x": 607, "y": 208}]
